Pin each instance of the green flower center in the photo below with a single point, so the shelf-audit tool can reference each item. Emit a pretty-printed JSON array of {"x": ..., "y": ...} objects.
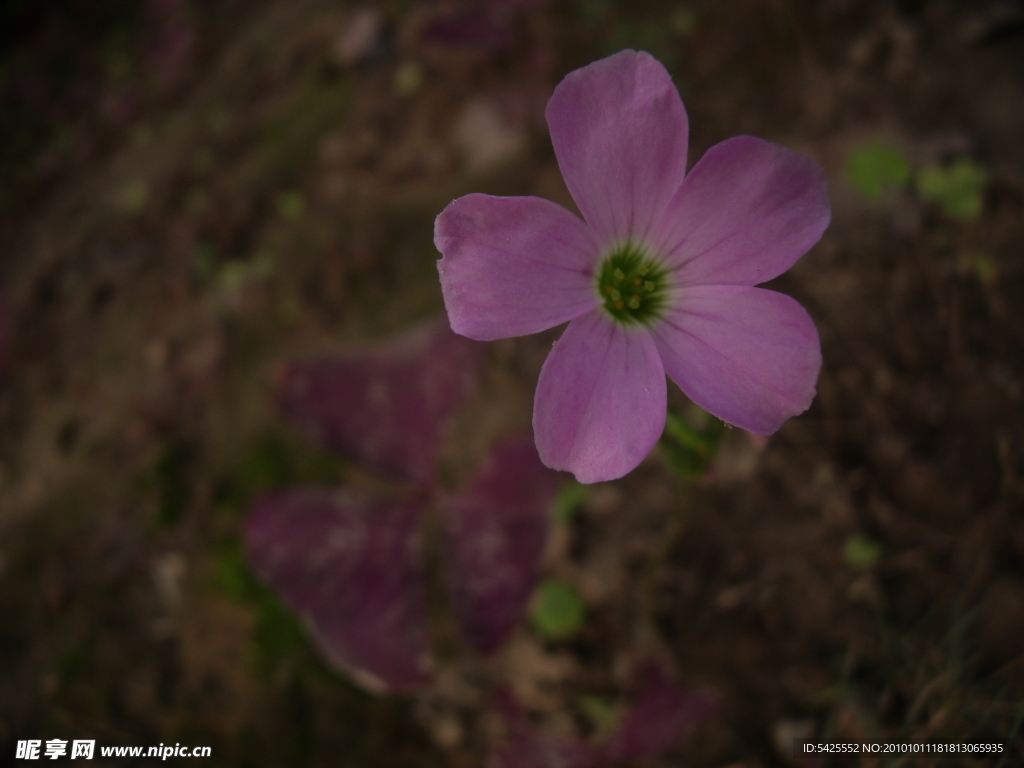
[{"x": 633, "y": 285}]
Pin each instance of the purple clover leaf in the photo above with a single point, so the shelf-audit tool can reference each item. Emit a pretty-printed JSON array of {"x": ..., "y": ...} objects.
[
  {"x": 525, "y": 746},
  {"x": 496, "y": 531},
  {"x": 655, "y": 722},
  {"x": 485, "y": 25},
  {"x": 484, "y": 28},
  {"x": 661, "y": 714},
  {"x": 658, "y": 278},
  {"x": 350, "y": 565},
  {"x": 387, "y": 406},
  {"x": 350, "y": 562}
]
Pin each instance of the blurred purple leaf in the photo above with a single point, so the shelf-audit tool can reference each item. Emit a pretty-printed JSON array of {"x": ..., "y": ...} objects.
[
  {"x": 496, "y": 530},
  {"x": 654, "y": 724},
  {"x": 483, "y": 28},
  {"x": 656, "y": 721},
  {"x": 388, "y": 405},
  {"x": 479, "y": 24},
  {"x": 525, "y": 746},
  {"x": 350, "y": 565}
]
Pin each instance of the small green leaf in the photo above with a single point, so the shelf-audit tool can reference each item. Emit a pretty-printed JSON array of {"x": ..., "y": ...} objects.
[
  {"x": 267, "y": 466},
  {"x": 233, "y": 274},
  {"x": 408, "y": 78},
  {"x": 601, "y": 711},
  {"x": 876, "y": 169},
  {"x": 570, "y": 498},
  {"x": 957, "y": 188},
  {"x": 132, "y": 197},
  {"x": 290, "y": 205},
  {"x": 684, "y": 22},
  {"x": 861, "y": 552},
  {"x": 690, "y": 443},
  {"x": 978, "y": 263},
  {"x": 236, "y": 273},
  {"x": 557, "y": 610},
  {"x": 683, "y": 434},
  {"x": 233, "y": 576},
  {"x": 277, "y": 636}
]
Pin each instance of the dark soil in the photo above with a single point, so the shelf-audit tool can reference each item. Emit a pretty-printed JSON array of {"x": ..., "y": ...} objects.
[{"x": 194, "y": 193}]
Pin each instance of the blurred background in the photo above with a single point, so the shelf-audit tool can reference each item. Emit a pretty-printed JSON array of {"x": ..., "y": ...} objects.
[{"x": 194, "y": 194}]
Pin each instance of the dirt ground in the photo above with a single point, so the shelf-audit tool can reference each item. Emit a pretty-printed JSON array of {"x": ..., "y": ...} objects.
[{"x": 193, "y": 194}]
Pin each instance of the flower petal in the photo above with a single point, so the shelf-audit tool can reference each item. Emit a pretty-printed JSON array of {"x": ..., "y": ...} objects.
[
  {"x": 601, "y": 399},
  {"x": 620, "y": 131},
  {"x": 513, "y": 266},
  {"x": 746, "y": 212},
  {"x": 388, "y": 405},
  {"x": 351, "y": 566},
  {"x": 748, "y": 355},
  {"x": 495, "y": 535}
]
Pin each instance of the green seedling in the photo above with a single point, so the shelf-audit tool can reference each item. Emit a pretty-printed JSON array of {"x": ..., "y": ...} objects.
[
  {"x": 570, "y": 499},
  {"x": 684, "y": 22},
  {"x": 877, "y": 169},
  {"x": 689, "y": 444},
  {"x": 290, "y": 205},
  {"x": 557, "y": 611},
  {"x": 957, "y": 188},
  {"x": 600, "y": 711},
  {"x": 861, "y": 552},
  {"x": 980, "y": 264},
  {"x": 408, "y": 78}
]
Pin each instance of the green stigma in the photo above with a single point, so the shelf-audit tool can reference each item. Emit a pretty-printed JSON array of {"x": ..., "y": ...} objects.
[{"x": 632, "y": 285}]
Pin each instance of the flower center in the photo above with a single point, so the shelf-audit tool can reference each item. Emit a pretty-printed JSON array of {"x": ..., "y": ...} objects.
[{"x": 633, "y": 285}]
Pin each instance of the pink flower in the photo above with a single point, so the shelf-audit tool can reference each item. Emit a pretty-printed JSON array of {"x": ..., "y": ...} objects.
[{"x": 656, "y": 279}]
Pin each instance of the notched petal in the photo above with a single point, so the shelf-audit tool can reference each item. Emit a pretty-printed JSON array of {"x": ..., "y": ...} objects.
[
  {"x": 513, "y": 266},
  {"x": 620, "y": 132}
]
